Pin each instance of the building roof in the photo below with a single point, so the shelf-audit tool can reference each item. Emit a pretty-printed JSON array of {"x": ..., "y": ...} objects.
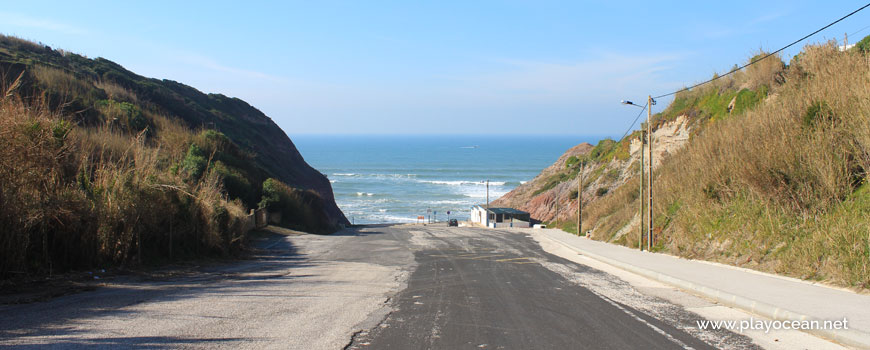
[{"x": 503, "y": 210}]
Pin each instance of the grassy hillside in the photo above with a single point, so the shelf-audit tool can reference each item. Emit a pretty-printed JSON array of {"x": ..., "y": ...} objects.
[
  {"x": 782, "y": 187},
  {"x": 102, "y": 166},
  {"x": 700, "y": 109},
  {"x": 773, "y": 177}
]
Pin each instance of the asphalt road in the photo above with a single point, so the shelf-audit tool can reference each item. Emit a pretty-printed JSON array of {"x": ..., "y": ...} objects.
[
  {"x": 476, "y": 288},
  {"x": 374, "y": 287}
]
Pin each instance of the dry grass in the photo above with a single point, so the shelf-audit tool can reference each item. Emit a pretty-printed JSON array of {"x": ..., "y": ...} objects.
[
  {"x": 171, "y": 136},
  {"x": 609, "y": 213},
  {"x": 63, "y": 82},
  {"x": 773, "y": 188},
  {"x": 75, "y": 197},
  {"x": 117, "y": 92}
]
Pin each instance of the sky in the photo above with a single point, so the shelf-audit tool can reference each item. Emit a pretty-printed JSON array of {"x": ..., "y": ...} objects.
[{"x": 433, "y": 67}]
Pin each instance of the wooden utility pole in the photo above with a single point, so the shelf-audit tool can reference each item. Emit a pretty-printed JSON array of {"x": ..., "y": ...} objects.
[
  {"x": 487, "y": 194},
  {"x": 580, "y": 198},
  {"x": 649, "y": 232},
  {"x": 640, "y": 197}
]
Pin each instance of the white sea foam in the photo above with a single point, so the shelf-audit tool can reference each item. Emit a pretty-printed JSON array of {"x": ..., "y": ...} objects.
[
  {"x": 401, "y": 181},
  {"x": 462, "y": 182},
  {"x": 377, "y": 176},
  {"x": 394, "y": 218},
  {"x": 479, "y": 194},
  {"x": 449, "y": 202},
  {"x": 450, "y": 183},
  {"x": 392, "y": 176}
]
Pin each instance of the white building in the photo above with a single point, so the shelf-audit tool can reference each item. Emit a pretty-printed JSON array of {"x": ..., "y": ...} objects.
[{"x": 499, "y": 217}]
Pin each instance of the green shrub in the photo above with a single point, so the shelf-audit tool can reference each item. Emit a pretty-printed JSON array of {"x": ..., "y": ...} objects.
[
  {"x": 194, "y": 162},
  {"x": 747, "y": 99},
  {"x": 235, "y": 182},
  {"x": 236, "y": 167},
  {"x": 602, "y": 148},
  {"x": 863, "y": 46},
  {"x": 571, "y": 161},
  {"x": 601, "y": 191},
  {"x": 127, "y": 115},
  {"x": 612, "y": 175},
  {"x": 552, "y": 182},
  {"x": 621, "y": 151},
  {"x": 272, "y": 191},
  {"x": 817, "y": 112}
]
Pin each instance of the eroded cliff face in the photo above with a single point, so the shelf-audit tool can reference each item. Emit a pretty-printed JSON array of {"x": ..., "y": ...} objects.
[
  {"x": 541, "y": 205},
  {"x": 559, "y": 202}
]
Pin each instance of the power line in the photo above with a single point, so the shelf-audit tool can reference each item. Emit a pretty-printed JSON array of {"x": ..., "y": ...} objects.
[
  {"x": 859, "y": 30},
  {"x": 746, "y": 65},
  {"x": 634, "y": 122},
  {"x": 766, "y": 56}
]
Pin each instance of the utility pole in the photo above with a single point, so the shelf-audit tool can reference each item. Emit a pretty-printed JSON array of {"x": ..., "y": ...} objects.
[
  {"x": 644, "y": 139},
  {"x": 580, "y": 198},
  {"x": 640, "y": 194},
  {"x": 487, "y": 194},
  {"x": 650, "y": 162}
]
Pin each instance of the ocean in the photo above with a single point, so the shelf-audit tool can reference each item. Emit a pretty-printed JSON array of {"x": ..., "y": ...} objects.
[{"x": 395, "y": 179}]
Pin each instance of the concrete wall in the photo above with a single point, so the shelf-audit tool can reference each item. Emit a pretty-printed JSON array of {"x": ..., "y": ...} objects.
[
  {"x": 256, "y": 219},
  {"x": 508, "y": 224}
]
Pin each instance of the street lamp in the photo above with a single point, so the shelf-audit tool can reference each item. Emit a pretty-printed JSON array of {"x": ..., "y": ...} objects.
[
  {"x": 649, "y": 103},
  {"x": 626, "y": 102}
]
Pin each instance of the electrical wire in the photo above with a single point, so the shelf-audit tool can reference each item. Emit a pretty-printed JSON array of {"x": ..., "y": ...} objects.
[
  {"x": 766, "y": 56},
  {"x": 746, "y": 65},
  {"x": 634, "y": 122},
  {"x": 859, "y": 30}
]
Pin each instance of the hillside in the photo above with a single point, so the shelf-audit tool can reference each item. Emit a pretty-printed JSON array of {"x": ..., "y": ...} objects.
[
  {"x": 95, "y": 155},
  {"x": 765, "y": 168},
  {"x": 542, "y": 195}
]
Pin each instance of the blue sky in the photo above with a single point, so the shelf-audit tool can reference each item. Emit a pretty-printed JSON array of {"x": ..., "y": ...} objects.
[{"x": 433, "y": 67}]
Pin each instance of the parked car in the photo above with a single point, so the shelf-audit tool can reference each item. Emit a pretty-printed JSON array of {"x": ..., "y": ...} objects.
[{"x": 453, "y": 222}]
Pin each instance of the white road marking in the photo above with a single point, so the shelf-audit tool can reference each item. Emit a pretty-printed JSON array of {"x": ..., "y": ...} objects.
[{"x": 650, "y": 325}]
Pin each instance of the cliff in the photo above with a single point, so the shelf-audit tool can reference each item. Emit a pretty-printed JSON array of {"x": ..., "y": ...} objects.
[
  {"x": 51, "y": 73},
  {"x": 552, "y": 195},
  {"x": 103, "y": 167}
]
